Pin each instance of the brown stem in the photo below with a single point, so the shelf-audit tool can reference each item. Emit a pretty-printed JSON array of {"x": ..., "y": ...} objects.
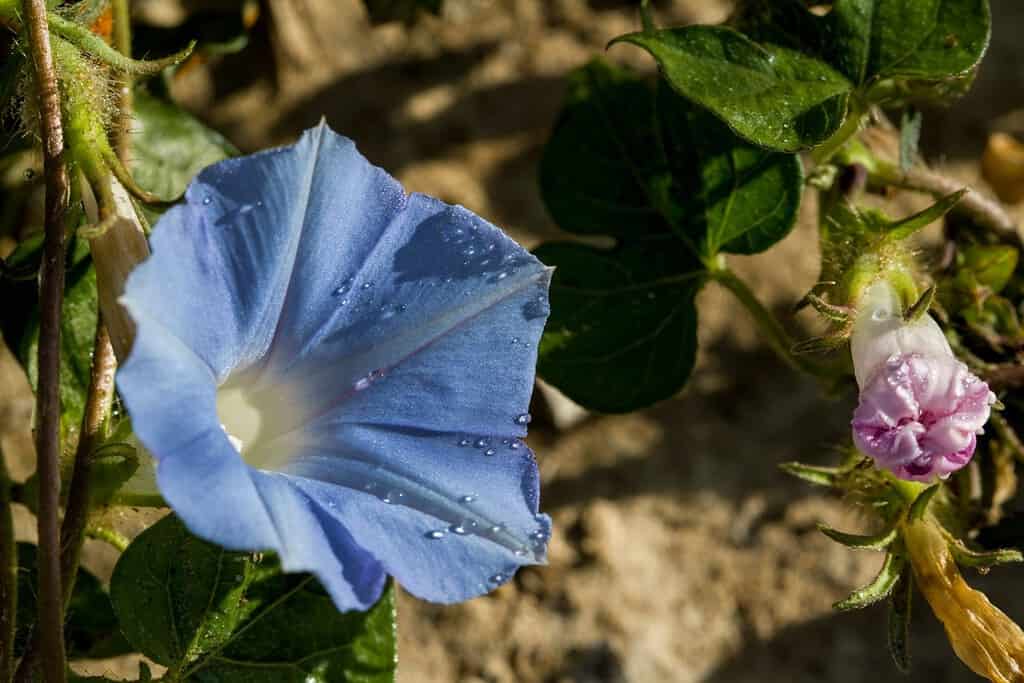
[
  {"x": 51, "y": 276},
  {"x": 1004, "y": 376},
  {"x": 983, "y": 210},
  {"x": 8, "y": 577},
  {"x": 97, "y": 407}
]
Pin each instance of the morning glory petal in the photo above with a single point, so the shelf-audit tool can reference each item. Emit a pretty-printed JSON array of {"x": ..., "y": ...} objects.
[{"x": 343, "y": 341}]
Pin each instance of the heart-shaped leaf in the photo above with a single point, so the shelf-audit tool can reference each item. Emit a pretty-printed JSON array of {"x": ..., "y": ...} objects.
[
  {"x": 674, "y": 187},
  {"x": 213, "y": 615}
]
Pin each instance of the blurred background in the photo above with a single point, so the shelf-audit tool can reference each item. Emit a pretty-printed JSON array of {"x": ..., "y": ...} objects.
[{"x": 680, "y": 553}]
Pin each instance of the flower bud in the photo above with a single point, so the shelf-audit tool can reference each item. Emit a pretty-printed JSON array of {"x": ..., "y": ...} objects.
[{"x": 920, "y": 408}]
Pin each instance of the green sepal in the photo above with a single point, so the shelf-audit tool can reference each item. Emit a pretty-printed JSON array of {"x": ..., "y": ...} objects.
[
  {"x": 921, "y": 306},
  {"x": 919, "y": 507},
  {"x": 900, "y": 609},
  {"x": 833, "y": 313},
  {"x": 982, "y": 559},
  {"x": 879, "y": 541},
  {"x": 906, "y": 227},
  {"x": 879, "y": 588},
  {"x": 820, "y": 476}
]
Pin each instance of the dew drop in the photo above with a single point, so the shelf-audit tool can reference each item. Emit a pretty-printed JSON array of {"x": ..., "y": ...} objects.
[
  {"x": 515, "y": 340},
  {"x": 464, "y": 442},
  {"x": 367, "y": 285},
  {"x": 468, "y": 498},
  {"x": 387, "y": 499},
  {"x": 435, "y": 535},
  {"x": 490, "y": 451},
  {"x": 458, "y": 530},
  {"x": 523, "y": 419},
  {"x": 497, "y": 528},
  {"x": 521, "y": 552},
  {"x": 515, "y": 445},
  {"x": 498, "y": 578},
  {"x": 206, "y": 201},
  {"x": 481, "y": 443}
]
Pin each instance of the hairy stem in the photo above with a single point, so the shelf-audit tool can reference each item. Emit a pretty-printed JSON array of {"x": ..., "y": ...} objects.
[
  {"x": 775, "y": 335},
  {"x": 123, "y": 44},
  {"x": 97, "y": 408},
  {"x": 51, "y": 276},
  {"x": 8, "y": 577},
  {"x": 108, "y": 536}
]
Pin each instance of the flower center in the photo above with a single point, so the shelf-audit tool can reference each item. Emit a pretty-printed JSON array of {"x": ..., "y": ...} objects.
[{"x": 240, "y": 417}]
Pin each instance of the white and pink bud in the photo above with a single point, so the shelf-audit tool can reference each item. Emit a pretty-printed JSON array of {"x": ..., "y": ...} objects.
[{"x": 920, "y": 408}]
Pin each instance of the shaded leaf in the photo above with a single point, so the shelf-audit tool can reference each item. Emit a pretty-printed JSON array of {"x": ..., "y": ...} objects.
[
  {"x": 215, "y": 615},
  {"x": 91, "y": 629},
  {"x": 774, "y": 96},
  {"x": 169, "y": 146},
  {"x": 675, "y": 187},
  {"x": 77, "y": 331},
  {"x": 906, "y": 227},
  {"x": 990, "y": 266}
]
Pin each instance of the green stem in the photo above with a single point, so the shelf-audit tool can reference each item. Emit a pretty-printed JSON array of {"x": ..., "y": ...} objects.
[
  {"x": 851, "y": 126},
  {"x": 48, "y": 446},
  {"x": 108, "y": 536},
  {"x": 646, "y": 17},
  {"x": 123, "y": 43},
  {"x": 8, "y": 577},
  {"x": 91, "y": 43},
  {"x": 774, "y": 334}
]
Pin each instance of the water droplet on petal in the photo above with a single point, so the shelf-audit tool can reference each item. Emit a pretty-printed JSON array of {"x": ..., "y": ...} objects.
[
  {"x": 515, "y": 445},
  {"x": 498, "y": 578},
  {"x": 490, "y": 451},
  {"x": 481, "y": 443},
  {"x": 497, "y": 528},
  {"x": 468, "y": 498},
  {"x": 464, "y": 442},
  {"x": 367, "y": 285},
  {"x": 206, "y": 201},
  {"x": 435, "y": 535},
  {"x": 458, "y": 530},
  {"x": 523, "y": 419},
  {"x": 521, "y": 552}
]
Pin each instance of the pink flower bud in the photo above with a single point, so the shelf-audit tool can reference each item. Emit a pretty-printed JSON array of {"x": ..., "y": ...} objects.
[{"x": 920, "y": 408}]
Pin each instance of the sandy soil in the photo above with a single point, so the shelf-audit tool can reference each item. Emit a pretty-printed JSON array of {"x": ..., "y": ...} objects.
[{"x": 681, "y": 553}]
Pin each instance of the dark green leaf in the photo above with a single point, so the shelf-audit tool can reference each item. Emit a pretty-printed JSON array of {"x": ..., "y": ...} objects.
[
  {"x": 921, "y": 48},
  {"x": 215, "y": 615},
  {"x": 674, "y": 187},
  {"x": 820, "y": 476},
  {"x": 91, "y": 629},
  {"x": 774, "y": 96},
  {"x": 77, "y": 332},
  {"x": 879, "y": 588},
  {"x": 623, "y": 327},
  {"x": 990, "y": 266},
  {"x": 169, "y": 146},
  {"x": 381, "y": 11}
]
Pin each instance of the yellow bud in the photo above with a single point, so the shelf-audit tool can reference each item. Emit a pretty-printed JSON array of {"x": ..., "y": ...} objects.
[
  {"x": 983, "y": 637},
  {"x": 1003, "y": 166}
]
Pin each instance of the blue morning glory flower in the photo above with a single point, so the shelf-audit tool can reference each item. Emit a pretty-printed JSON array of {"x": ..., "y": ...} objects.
[{"x": 334, "y": 370}]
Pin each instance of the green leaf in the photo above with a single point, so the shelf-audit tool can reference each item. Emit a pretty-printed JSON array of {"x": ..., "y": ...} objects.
[
  {"x": 916, "y": 48},
  {"x": 674, "y": 187},
  {"x": 900, "y": 609},
  {"x": 77, "y": 333},
  {"x": 213, "y": 615},
  {"x": 879, "y": 588},
  {"x": 983, "y": 559},
  {"x": 169, "y": 146},
  {"x": 990, "y": 266},
  {"x": 381, "y": 11},
  {"x": 91, "y": 629},
  {"x": 820, "y": 476},
  {"x": 879, "y": 541},
  {"x": 773, "y": 96}
]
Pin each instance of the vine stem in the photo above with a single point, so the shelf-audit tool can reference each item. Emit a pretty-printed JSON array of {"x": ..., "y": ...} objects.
[
  {"x": 51, "y": 276},
  {"x": 775, "y": 335},
  {"x": 122, "y": 38}
]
